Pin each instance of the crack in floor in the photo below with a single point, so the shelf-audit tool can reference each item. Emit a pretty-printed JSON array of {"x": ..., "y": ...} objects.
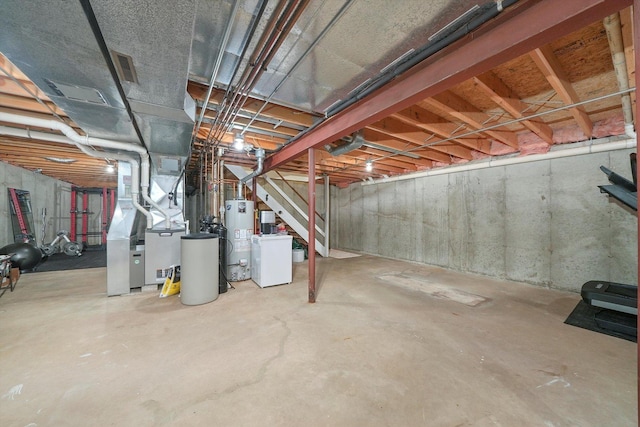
[
  {"x": 263, "y": 368},
  {"x": 259, "y": 376}
]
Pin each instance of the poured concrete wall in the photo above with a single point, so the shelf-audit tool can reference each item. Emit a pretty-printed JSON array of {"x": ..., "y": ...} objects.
[
  {"x": 544, "y": 222},
  {"x": 49, "y": 193}
]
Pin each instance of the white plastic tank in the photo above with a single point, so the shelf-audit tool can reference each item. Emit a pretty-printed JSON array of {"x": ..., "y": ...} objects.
[{"x": 239, "y": 222}]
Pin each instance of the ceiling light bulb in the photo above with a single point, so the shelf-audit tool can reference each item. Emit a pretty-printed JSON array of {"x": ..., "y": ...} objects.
[
  {"x": 369, "y": 166},
  {"x": 238, "y": 141},
  {"x": 110, "y": 168}
]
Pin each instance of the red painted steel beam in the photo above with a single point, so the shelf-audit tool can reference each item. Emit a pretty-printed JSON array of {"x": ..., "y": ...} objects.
[{"x": 532, "y": 24}]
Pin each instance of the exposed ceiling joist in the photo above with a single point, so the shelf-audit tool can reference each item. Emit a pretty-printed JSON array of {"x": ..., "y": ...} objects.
[
  {"x": 557, "y": 78},
  {"x": 474, "y": 55},
  {"x": 502, "y": 95},
  {"x": 440, "y": 127},
  {"x": 453, "y": 105}
]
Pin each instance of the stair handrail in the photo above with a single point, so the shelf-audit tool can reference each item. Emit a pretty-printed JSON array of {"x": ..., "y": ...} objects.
[
  {"x": 293, "y": 204},
  {"x": 296, "y": 193}
]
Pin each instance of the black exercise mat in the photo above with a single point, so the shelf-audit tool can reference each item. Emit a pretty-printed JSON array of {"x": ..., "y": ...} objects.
[
  {"x": 584, "y": 316},
  {"x": 60, "y": 261}
]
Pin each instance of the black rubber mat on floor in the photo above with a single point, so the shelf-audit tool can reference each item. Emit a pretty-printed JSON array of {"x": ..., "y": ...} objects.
[
  {"x": 60, "y": 261},
  {"x": 584, "y": 316}
]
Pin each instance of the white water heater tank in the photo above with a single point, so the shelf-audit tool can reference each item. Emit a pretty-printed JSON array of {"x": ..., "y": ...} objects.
[{"x": 239, "y": 217}]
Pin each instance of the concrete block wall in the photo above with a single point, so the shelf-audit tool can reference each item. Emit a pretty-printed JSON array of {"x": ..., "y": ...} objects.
[
  {"x": 49, "y": 193},
  {"x": 544, "y": 223}
]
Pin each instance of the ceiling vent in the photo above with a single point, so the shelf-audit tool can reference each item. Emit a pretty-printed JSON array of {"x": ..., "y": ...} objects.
[
  {"x": 77, "y": 93},
  {"x": 124, "y": 66}
]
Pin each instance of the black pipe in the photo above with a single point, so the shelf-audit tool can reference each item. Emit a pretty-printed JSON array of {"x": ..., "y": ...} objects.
[
  {"x": 95, "y": 27},
  {"x": 488, "y": 12},
  {"x": 252, "y": 30}
]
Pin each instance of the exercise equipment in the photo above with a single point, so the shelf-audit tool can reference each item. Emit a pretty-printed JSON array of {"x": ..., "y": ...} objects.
[
  {"x": 80, "y": 216},
  {"x": 62, "y": 243},
  {"x": 21, "y": 216},
  {"x": 618, "y": 302},
  {"x": 24, "y": 256}
]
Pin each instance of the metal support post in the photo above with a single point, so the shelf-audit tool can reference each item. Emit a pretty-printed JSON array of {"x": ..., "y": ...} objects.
[{"x": 312, "y": 226}]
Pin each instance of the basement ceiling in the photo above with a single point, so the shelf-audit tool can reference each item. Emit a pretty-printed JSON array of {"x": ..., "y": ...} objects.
[{"x": 188, "y": 76}]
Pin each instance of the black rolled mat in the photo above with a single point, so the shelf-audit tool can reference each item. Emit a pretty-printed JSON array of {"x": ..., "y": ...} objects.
[
  {"x": 60, "y": 261},
  {"x": 584, "y": 316}
]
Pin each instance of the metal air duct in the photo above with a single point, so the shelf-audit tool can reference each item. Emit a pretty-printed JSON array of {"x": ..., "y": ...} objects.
[{"x": 354, "y": 142}]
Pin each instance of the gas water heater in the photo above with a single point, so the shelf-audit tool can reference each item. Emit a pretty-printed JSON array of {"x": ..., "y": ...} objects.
[{"x": 239, "y": 221}]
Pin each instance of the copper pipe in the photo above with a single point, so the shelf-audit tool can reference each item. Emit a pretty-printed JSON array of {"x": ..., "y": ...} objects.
[
  {"x": 226, "y": 104},
  {"x": 258, "y": 71},
  {"x": 289, "y": 18}
]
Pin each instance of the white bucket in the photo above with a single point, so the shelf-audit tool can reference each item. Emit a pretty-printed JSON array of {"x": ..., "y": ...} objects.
[{"x": 298, "y": 255}]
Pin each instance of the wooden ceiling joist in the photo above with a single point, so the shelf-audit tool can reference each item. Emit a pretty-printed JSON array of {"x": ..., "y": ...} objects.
[
  {"x": 502, "y": 95},
  {"x": 199, "y": 92},
  {"x": 442, "y": 128},
  {"x": 557, "y": 78},
  {"x": 402, "y": 131},
  {"x": 451, "y": 104},
  {"x": 396, "y": 144},
  {"x": 526, "y": 29}
]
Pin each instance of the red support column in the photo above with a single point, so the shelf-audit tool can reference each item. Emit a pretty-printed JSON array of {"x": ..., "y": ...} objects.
[
  {"x": 312, "y": 226},
  {"x": 73, "y": 212},
  {"x": 85, "y": 216},
  {"x": 113, "y": 205},
  {"x": 105, "y": 215},
  {"x": 636, "y": 43}
]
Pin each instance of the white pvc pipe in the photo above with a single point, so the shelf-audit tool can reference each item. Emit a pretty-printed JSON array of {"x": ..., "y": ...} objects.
[
  {"x": 135, "y": 166},
  {"x": 99, "y": 142},
  {"x": 490, "y": 163},
  {"x": 614, "y": 34}
]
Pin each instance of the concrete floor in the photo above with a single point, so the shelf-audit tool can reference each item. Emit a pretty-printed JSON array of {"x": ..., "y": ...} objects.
[{"x": 374, "y": 350}]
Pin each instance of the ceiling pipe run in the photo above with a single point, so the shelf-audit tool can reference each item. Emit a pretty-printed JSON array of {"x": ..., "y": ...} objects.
[
  {"x": 222, "y": 115},
  {"x": 580, "y": 149},
  {"x": 483, "y": 51},
  {"x": 614, "y": 34},
  {"x": 49, "y": 137},
  {"x": 283, "y": 27},
  {"x": 488, "y": 12},
  {"x": 98, "y": 142},
  {"x": 216, "y": 68},
  {"x": 214, "y": 129},
  {"x": 321, "y": 36}
]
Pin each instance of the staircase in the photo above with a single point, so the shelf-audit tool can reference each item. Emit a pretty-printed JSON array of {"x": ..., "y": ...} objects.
[{"x": 291, "y": 212}]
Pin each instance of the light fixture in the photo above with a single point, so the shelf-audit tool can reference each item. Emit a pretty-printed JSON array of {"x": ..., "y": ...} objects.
[
  {"x": 238, "y": 141},
  {"x": 369, "y": 166},
  {"x": 110, "y": 168}
]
